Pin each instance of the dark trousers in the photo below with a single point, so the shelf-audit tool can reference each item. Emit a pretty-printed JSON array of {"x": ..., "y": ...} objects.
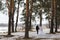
[{"x": 37, "y": 31}]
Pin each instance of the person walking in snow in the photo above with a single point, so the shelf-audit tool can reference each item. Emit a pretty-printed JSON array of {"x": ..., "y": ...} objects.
[{"x": 37, "y": 28}]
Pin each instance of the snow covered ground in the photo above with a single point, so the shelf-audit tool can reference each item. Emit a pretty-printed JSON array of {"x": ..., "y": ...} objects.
[
  {"x": 20, "y": 35},
  {"x": 34, "y": 35}
]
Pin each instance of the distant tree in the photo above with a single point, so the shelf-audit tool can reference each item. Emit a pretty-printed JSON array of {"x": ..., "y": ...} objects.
[
  {"x": 40, "y": 18},
  {"x": 17, "y": 16},
  {"x": 0, "y": 5},
  {"x": 48, "y": 11},
  {"x": 57, "y": 14},
  {"x": 53, "y": 5},
  {"x": 30, "y": 12}
]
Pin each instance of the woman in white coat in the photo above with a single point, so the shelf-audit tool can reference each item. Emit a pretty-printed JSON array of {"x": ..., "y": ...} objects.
[{"x": 41, "y": 31}]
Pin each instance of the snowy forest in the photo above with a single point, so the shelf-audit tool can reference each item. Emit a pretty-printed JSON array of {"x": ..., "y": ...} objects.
[{"x": 29, "y": 19}]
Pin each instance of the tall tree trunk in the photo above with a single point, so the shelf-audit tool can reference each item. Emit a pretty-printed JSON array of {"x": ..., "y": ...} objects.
[
  {"x": 11, "y": 9},
  {"x": 26, "y": 20},
  {"x": 55, "y": 6},
  {"x": 56, "y": 24},
  {"x": 31, "y": 3},
  {"x": 52, "y": 23},
  {"x": 17, "y": 17},
  {"x": 9, "y": 25},
  {"x": 40, "y": 18},
  {"x": 12, "y": 22},
  {"x": 12, "y": 16},
  {"x": 49, "y": 24},
  {"x": 49, "y": 18},
  {"x": 13, "y": 28}
]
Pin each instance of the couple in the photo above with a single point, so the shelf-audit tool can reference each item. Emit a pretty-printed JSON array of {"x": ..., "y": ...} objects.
[{"x": 39, "y": 30}]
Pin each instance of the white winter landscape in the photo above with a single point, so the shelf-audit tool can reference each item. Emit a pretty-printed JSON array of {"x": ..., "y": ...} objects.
[{"x": 43, "y": 34}]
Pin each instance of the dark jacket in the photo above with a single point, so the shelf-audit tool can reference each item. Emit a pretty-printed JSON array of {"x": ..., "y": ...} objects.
[{"x": 37, "y": 28}]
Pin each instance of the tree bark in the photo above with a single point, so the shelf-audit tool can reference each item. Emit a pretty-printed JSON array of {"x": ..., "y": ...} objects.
[
  {"x": 56, "y": 24},
  {"x": 9, "y": 25},
  {"x": 49, "y": 22},
  {"x": 26, "y": 20},
  {"x": 52, "y": 17},
  {"x": 40, "y": 18},
  {"x": 10, "y": 18},
  {"x": 12, "y": 22},
  {"x": 12, "y": 10},
  {"x": 55, "y": 6},
  {"x": 17, "y": 18},
  {"x": 30, "y": 16}
]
